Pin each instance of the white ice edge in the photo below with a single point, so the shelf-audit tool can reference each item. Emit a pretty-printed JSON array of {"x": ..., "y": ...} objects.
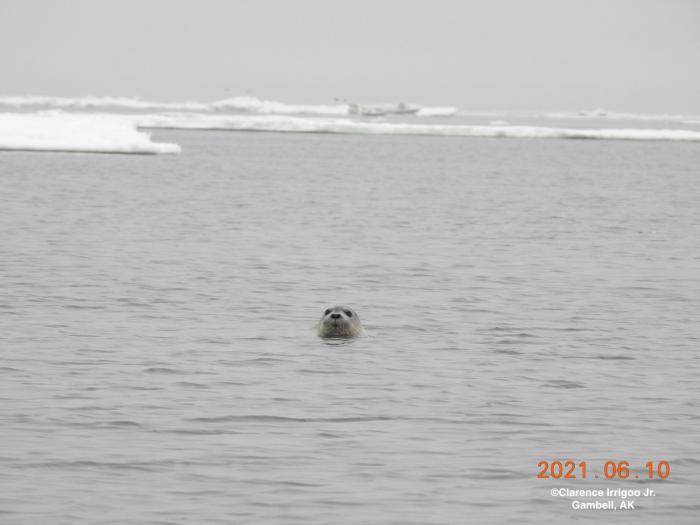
[
  {"x": 80, "y": 133},
  {"x": 327, "y": 125},
  {"x": 110, "y": 133}
]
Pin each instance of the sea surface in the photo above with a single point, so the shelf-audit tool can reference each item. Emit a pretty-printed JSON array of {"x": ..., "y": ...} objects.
[{"x": 523, "y": 300}]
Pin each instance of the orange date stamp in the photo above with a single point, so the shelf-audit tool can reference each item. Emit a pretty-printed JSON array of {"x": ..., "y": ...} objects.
[{"x": 568, "y": 469}]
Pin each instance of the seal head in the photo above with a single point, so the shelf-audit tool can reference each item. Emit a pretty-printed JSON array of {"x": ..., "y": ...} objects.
[{"x": 339, "y": 321}]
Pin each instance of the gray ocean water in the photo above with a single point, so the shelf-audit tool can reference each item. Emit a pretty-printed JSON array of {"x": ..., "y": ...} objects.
[{"x": 523, "y": 300}]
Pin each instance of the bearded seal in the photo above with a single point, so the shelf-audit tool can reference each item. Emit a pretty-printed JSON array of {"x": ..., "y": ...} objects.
[{"x": 339, "y": 321}]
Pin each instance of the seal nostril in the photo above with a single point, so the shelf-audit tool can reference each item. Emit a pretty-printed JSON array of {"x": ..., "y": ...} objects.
[{"x": 335, "y": 316}]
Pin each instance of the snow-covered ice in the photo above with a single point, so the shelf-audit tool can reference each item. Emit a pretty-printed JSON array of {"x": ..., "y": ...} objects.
[{"x": 58, "y": 131}]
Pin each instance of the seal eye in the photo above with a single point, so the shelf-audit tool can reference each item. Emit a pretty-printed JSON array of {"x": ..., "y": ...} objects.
[
  {"x": 348, "y": 313},
  {"x": 327, "y": 312}
]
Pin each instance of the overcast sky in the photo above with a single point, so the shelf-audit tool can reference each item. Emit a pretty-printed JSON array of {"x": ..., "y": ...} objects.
[{"x": 620, "y": 55}]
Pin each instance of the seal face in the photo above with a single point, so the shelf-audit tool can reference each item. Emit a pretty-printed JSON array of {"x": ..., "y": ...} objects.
[{"x": 339, "y": 321}]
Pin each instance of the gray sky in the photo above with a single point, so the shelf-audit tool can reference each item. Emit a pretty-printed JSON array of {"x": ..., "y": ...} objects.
[{"x": 621, "y": 55}]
